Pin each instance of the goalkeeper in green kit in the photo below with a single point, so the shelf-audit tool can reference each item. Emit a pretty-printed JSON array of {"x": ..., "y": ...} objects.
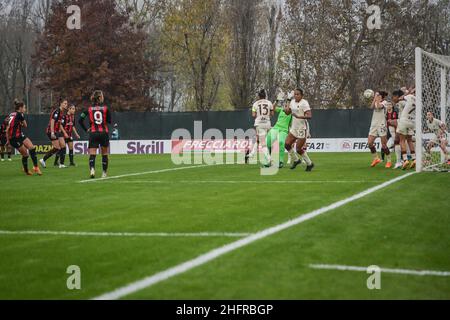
[{"x": 280, "y": 130}]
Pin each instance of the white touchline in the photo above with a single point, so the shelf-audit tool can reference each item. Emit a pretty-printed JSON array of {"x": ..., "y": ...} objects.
[
  {"x": 143, "y": 173},
  {"x": 386, "y": 270},
  {"x": 213, "y": 254},
  {"x": 124, "y": 234},
  {"x": 243, "y": 181}
]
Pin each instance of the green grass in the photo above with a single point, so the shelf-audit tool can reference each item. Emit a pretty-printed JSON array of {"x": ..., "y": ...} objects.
[{"x": 405, "y": 225}]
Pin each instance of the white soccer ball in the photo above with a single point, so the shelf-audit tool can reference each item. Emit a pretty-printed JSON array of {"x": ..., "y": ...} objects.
[{"x": 369, "y": 94}]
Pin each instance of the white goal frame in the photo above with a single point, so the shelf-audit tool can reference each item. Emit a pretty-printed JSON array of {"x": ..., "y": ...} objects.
[{"x": 443, "y": 66}]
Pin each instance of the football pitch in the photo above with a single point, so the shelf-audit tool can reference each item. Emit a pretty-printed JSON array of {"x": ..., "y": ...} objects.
[{"x": 131, "y": 230}]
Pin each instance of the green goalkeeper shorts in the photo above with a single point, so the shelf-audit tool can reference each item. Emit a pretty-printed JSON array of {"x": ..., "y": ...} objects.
[{"x": 272, "y": 137}]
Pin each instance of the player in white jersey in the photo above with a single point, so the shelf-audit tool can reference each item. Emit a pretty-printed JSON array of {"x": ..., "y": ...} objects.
[
  {"x": 399, "y": 104},
  {"x": 439, "y": 129},
  {"x": 378, "y": 129},
  {"x": 405, "y": 129},
  {"x": 299, "y": 132},
  {"x": 262, "y": 111}
]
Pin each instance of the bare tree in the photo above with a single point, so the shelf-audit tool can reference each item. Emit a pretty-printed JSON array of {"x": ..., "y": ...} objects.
[
  {"x": 16, "y": 48},
  {"x": 41, "y": 13},
  {"x": 327, "y": 47},
  {"x": 194, "y": 43},
  {"x": 246, "y": 55},
  {"x": 274, "y": 20},
  {"x": 204, "y": 53}
]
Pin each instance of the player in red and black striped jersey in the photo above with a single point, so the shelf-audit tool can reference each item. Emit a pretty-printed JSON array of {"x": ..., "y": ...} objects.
[
  {"x": 56, "y": 134},
  {"x": 68, "y": 123},
  {"x": 4, "y": 146},
  {"x": 99, "y": 117},
  {"x": 391, "y": 122},
  {"x": 17, "y": 139}
]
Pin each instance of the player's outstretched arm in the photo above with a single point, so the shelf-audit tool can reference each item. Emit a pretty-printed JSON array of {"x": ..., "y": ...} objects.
[
  {"x": 7, "y": 133},
  {"x": 76, "y": 132},
  {"x": 307, "y": 116},
  {"x": 376, "y": 103},
  {"x": 52, "y": 128},
  {"x": 81, "y": 121},
  {"x": 24, "y": 123}
]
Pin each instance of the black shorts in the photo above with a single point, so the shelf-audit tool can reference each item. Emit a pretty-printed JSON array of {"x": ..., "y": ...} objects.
[
  {"x": 70, "y": 139},
  {"x": 2, "y": 141},
  {"x": 57, "y": 134},
  {"x": 17, "y": 142},
  {"x": 98, "y": 139}
]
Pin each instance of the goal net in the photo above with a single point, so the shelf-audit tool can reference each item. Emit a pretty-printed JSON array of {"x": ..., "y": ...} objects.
[{"x": 432, "y": 96}]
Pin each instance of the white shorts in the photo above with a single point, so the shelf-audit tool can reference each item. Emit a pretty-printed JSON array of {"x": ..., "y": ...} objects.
[
  {"x": 300, "y": 133},
  {"x": 262, "y": 124},
  {"x": 378, "y": 130},
  {"x": 406, "y": 127},
  {"x": 262, "y": 131}
]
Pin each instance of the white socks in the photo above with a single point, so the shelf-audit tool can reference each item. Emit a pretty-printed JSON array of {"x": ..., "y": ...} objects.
[
  {"x": 398, "y": 153},
  {"x": 306, "y": 158},
  {"x": 254, "y": 150},
  {"x": 266, "y": 154},
  {"x": 294, "y": 155}
]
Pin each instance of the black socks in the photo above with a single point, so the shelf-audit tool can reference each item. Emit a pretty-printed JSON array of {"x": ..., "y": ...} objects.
[
  {"x": 92, "y": 161},
  {"x": 25, "y": 163},
  {"x": 62, "y": 156},
  {"x": 33, "y": 157},
  {"x": 50, "y": 153},
  {"x": 105, "y": 163},
  {"x": 71, "y": 156}
]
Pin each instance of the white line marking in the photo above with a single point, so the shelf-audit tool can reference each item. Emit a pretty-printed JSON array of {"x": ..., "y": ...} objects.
[
  {"x": 444, "y": 169},
  {"x": 386, "y": 270},
  {"x": 123, "y": 234},
  {"x": 213, "y": 254},
  {"x": 143, "y": 173},
  {"x": 243, "y": 181}
]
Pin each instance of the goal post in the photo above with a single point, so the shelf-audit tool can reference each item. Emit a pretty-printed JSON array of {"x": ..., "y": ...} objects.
[{"x": 432, "y": 95}]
